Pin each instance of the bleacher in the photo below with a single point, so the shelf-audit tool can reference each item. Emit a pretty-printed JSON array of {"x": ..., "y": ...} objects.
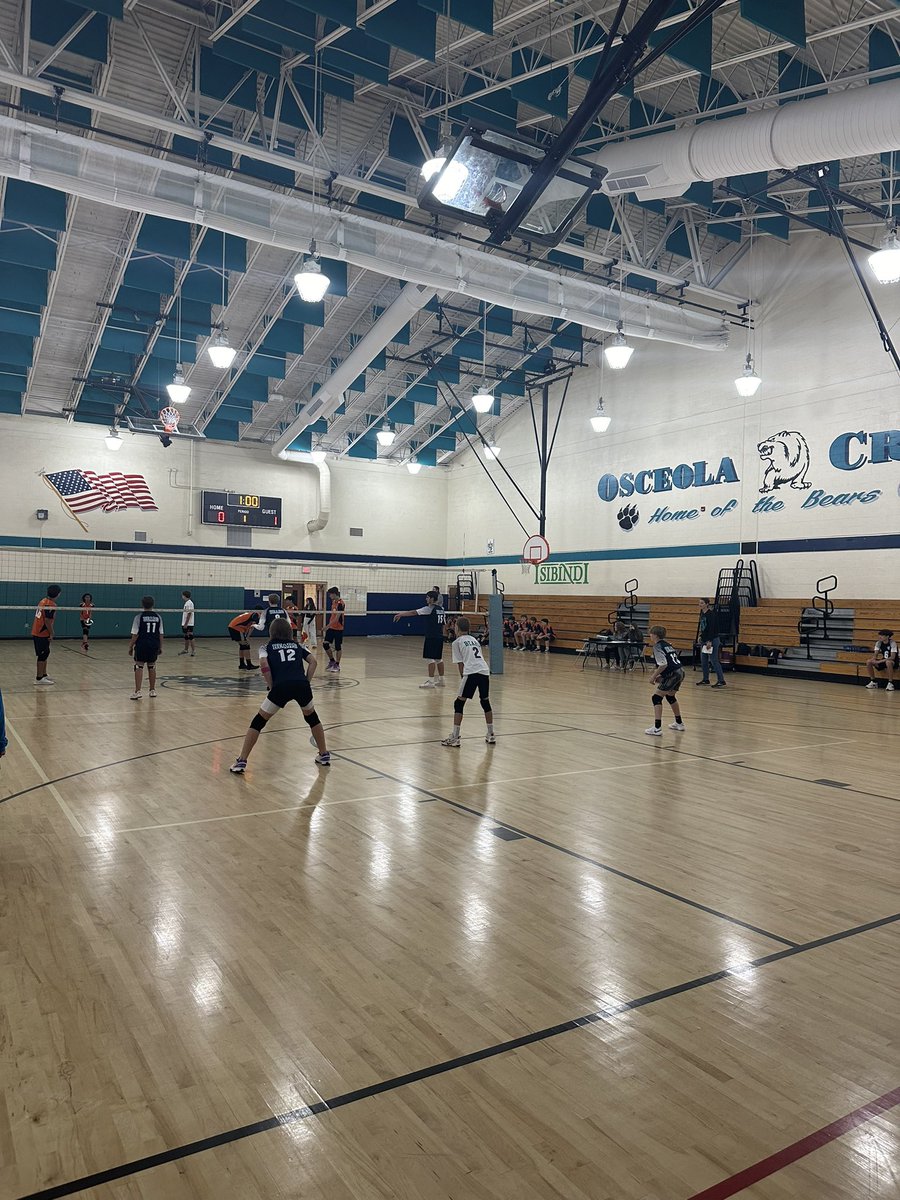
[{"x": 576, "y": 618}]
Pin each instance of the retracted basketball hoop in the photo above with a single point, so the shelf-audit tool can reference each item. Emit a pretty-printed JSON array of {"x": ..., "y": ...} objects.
[{"x": 536, "y": 550}]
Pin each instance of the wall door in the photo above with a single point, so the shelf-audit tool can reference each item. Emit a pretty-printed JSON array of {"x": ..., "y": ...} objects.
[{"x": 302, "y": 590}]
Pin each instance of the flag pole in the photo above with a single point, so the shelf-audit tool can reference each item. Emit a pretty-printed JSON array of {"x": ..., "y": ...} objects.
[{"x": 66, "y": 507}]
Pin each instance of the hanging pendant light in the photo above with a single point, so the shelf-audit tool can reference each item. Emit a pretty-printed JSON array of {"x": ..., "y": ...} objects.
[
  {"x": 483, "y": 398},
  {"x": 385, "y": 435},
  {"x": 178, "y": 390},
  {"x": 885, "y": 263},
  {"x": 413, "y": 466},
  {"x": 112, "y": 440},
  {"x": 491, "y": 451},
  {"x": 311, "y": 281},
  {"x": 618, "y": 352},
  {"x": 221, "y": 352},
  {"x": 601, "y": 421},
  {"x": 747, "y": 383}
]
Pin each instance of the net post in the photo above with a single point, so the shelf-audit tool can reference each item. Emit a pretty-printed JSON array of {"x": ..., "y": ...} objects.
[{"x": 495, "y": 631}]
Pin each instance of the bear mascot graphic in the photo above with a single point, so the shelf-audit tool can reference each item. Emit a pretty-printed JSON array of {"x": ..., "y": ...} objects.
[{"x": 786, "y": 456}]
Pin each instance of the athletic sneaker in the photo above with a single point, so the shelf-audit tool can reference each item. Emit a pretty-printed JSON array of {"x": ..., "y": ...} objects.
[
  {"x": 653, "y": 732},
  {"x": 872, "y": 685},
  {"x": 451, "y": 741},
  {"x": 135, "y": 695},
  {"x": 44, "y": 680},
  {"x": 490, "y": 739},
  {"x": 153, "y": 693},
  {"x": 439, "y": 682},
  {"x": 180, "y": 652},
  {"x": 240, "y": 766},
  {"x": 323, "y": 760},
  {"x": 721, "y": 683},
  {"x": 677, "y": 725},
  {"x": 889, "y": 688},
  {"x": 702, "y": 683},
  {"x": 428, "y": 683},
  {"x": 251, "y": 667}
]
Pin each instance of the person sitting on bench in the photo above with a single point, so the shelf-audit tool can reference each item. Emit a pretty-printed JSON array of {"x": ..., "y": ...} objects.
[{"x": 885, "y": 658}]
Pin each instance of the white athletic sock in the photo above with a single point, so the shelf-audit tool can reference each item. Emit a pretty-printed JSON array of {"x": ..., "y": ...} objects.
[{"x": 490, "y": 730}]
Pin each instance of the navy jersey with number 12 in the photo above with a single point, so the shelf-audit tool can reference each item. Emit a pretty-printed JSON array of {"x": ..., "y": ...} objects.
[{"x": 286, "y": 661}]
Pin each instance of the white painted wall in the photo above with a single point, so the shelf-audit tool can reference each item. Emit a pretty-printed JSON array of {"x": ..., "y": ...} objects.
[
  {"x": 824, "y": 373},
  {"x": 400, "y": 514}
]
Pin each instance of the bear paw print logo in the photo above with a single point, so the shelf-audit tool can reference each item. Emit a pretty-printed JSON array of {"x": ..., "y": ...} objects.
[{"x": 628, "y": 516}]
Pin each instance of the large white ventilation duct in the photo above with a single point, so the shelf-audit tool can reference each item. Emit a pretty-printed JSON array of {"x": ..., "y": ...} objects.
[
  {"x": 141, "y": 183},
  {"x": 411, "y": 299},
  {"x": 864, "y": 120},
  {"x": 324, "y": 514}
]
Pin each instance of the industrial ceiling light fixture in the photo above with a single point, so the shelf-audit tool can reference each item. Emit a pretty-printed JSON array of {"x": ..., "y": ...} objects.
[
  {"x": 386, "y": 435},
  {"x": 618, "y": 352},
  {"x": 601, "y": 421},
  {"x": 178, "y": 390},
  {"x": 491, "y": 451},
  {"x": 413, "y": 465},
  {"x": 747, "y": 383},
  {"x": 220, "y": 350},
  {"x": 311, "y": 281},
  {"x": 112, "y": 440},
  {"x": 483, "y": 397},
  {"x": 885, "y": 263}
]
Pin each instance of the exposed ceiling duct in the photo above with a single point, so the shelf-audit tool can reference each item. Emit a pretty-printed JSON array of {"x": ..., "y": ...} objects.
[
  {"x": 329, "y": 396},
  {"x": 142, "y": 183},
  {"x": 849, "y": 124}
]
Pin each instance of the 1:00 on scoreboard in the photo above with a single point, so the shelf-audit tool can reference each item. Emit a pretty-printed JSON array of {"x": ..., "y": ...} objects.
[{"x": 241, "y": 509}]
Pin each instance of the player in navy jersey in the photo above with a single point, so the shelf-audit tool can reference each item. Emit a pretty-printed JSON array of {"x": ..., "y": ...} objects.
[
  {"x": 287, "y": 669},
  {"x": 274, "y": 612},
  {"x": 666, "y": 680},
  {"x": 433, "y": 649},
  {"x": 147, "y": 637}
]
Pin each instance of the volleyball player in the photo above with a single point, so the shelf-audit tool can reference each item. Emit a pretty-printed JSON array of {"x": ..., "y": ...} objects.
[
  {"x": 187, "y": 624},
  {"x": 333, "y": 641},
  {"x": 476, "y": 676},
  {"x": 239, "y": 631},
  {"x": 283, "y": 662},
  {"x": 309, "y": 624},
  {"x": 433, "y": 648},
  {"x": 87, "y": 619},
  {"x": 274, "y": 612},
  {"x": 147, "y": 637},
  {"x": 42, "y": 634},
  {"x": 884, "y": 658},
  {"x": 666, "y": 680}
]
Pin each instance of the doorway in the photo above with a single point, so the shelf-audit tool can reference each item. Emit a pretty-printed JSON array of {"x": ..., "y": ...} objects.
[{"x": 299, "y": 591}]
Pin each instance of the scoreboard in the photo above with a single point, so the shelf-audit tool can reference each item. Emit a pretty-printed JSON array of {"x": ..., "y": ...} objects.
[{"x": 241, "y": 509}]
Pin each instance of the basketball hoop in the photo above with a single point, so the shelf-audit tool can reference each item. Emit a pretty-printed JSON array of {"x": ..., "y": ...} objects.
[
  {"x": 169, "y": 418},
  {"x": 535, "y": 551}
]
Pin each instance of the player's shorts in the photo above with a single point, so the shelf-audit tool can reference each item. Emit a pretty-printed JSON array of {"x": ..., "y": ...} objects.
[
  {"x": 188, "y": 631},
  {"x": 242, "y": 638},
  {"x": 283, "y": 693},
  {"x": 145, "y": 653},
  {"x": 480, "y": 683},
  {"x": 671, "y": 682},
  {"x": 881, "y": 664},
  {"x": 433, "y": 649},
  {"x": 41, "y": 648},
  {"x": 333, "y": 638}
]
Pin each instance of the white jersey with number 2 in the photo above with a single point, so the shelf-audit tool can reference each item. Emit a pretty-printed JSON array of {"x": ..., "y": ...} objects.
[{"x": 467, "y": 651}]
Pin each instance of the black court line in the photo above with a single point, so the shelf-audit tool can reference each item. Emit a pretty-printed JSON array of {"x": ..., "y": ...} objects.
[
  {"x": 576, "y": 854},
  {"x": 385, "y": 1087}
]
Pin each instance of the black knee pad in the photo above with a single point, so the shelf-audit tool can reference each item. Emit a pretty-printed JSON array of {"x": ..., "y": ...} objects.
[
  {"x": 672, "y": 700},
  {"x": 657, "y": 699},
  {"x": 258, "y": 723},
  {"x": 458, "y": 704},
  {"x": 485, "y": 704},
  {"x": 312, "y": 718}
]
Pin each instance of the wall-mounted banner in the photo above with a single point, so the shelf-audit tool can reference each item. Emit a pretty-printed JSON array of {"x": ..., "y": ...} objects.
[
  {"x": 561, "y": 573},
  {"x": 664, "y": 479}
]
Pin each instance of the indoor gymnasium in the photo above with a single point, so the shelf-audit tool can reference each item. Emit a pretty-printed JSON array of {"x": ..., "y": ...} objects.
[{"x": 411, "y": 412}]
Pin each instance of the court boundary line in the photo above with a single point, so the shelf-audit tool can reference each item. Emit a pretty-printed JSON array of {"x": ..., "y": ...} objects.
[
  {"x": 576, "y": 854},
  {"x": 395, "y": 1083},
  {"x": 804, "y": 1146},
  {"x": 49, "y": 784}
]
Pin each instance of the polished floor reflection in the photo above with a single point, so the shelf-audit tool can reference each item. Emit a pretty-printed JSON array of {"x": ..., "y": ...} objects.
[{"x": 580, "y": 963}]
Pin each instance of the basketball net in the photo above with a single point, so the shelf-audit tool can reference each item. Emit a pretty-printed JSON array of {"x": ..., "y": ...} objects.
[{"x": 169, "y": 418}]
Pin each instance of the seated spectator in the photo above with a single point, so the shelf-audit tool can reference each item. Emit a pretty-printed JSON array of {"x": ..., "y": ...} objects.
[
  {"x": 884, "y": 658},
  {"x": 509, "y": 633},
  {"x": 619, "y": 631}
]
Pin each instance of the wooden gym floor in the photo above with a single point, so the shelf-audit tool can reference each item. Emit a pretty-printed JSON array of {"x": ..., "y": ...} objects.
[{"x": 582, "y": 963}]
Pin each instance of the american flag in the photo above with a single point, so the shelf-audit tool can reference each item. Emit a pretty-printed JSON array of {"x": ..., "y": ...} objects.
[{"x": 83, "y": 490}]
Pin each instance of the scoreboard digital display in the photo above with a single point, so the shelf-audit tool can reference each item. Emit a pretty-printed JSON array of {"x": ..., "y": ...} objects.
[{"x": 241, "y": 509}]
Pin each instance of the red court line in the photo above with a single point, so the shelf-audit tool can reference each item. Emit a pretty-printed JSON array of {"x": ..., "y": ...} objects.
[{"x": 790, "y": 1154}]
